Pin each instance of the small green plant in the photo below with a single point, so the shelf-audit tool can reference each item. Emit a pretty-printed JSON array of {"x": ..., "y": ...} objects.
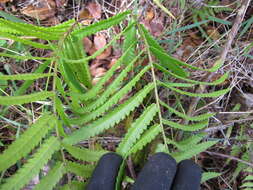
[{"x": 79, "y": 110}]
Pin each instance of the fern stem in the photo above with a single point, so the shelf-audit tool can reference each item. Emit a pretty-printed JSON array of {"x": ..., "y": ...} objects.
[
  {"x": 55, "y": 113},
  {"x": 155, "y": 89}
]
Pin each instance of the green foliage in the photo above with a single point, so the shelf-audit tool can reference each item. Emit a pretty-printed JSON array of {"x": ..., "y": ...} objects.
[
  {"x": 33, "y": 165},
  {"x": 51, "y": 179},
  {"x": 79, "y": 110},
  {"x": 28, "y": 140}
]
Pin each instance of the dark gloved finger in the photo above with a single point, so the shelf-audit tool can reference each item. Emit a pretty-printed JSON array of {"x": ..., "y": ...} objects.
[
  {"x": 157, "y": 174},
  {"x": 105, "y": 173},
  {"x": 188, "y": 176}
]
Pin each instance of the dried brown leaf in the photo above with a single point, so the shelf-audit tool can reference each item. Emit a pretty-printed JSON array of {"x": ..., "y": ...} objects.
[
  {"x": 105, "y": 54},
  {"x": 149, "y": 15},
  {"x": 85, "y": 14},
  {"x": 95, "y": 10},
  {"x": 44, "y": 10},
  {"x": 99, "y": 41},
  {"x": 87, "y": 44}
]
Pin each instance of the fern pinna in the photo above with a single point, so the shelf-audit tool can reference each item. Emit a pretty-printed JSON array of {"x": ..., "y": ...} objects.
[{"x": 78, "y": 110}]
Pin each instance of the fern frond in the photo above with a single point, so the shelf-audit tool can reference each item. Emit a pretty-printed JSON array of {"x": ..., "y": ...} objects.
[
  {"x": 137, "y": 129},
  {"x": 175, "y": 84},
  {"x": 33, "y": 166},
  {"x": 95, "y": 89},
  {"x": 17, "y": 100},
  {"x": 60, "y": 110},
  {"x": 110, "y": 119},
  {"x": 56, "y": 31},
  {"x": 112, "y": 87},
  {"x": 113, "y": 100},
  {"x": 32, "y": 76},
  {"x": 247, "y": 182},
  {"x": 184, "y": 116},
  {"x": 163, "y": 57},
  {"x": 146, "y": 138},
  {"x": 69, "y": 77},
  {"x": 24, "y": 57},
  {"x": 192, "y": 151},
  {"x": 201, "y": 95},
  {"x": 25, "y": 41},
  {"x": 27, "y": 141},
  {"x": 186, "y": 143},
  {"x": 81, "y": 170},
  {"x": 209, "y": 175},
  {"x": 74, "y": 50},
  {"x": 214, "y": 83},
  {"x": 173, "y": 65},
  {"x": 84, "y": 154},
  {"x": 130, "y": 37},
  {"x": 29, "y": 30},
  {"x": 102, "y": 25},
  {"x": 51, "y": 179},
  {"x": 192, "y": 127}
]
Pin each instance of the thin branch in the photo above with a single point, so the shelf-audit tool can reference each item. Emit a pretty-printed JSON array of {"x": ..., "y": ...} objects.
[{"x": 230, "y": 157}]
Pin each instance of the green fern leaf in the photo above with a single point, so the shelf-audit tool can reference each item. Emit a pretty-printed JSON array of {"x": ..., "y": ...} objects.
[
  {"x": 112, "y": 101},
  {"x": 247, "y": 185},
  {"x": 24, "y": 57},
  {"x": 112, "y": 87},
  {"x": 174, "y": 84},
  {"x": 137, "y": 129},
  {"x": 193, "y": 127},
  {"x": 173, "y": 65},
  {"x": 81, "y": 170},
  {"x": 69, "y": 77},
  {"x": 214, "y": 83},
  {"x": 192, "y": 151},
  {"x": 130, "y": 37},
  {"x": 33, "y": 166},
  {"x": 74, "y": 50},
  {"x": 17, "y": 100},
  {"x": 115, "y": 98},
  {"x": 102, "y": 25},
  {"x": 95, "y": 90},
  {"x": 27, "y": 141},
  {"x": 29, "y": 30},
  {"x": 74, "y": 185},
  {"x": 25, "y": 76},
  {"x": 52, "y": 178},
  {"x": 150, "y": 40},
  {"x": 146, "y": 138},
  {"x": 110, "y": 119},
  {"x": 201, "y": 95},
  {"x": 186, "y": 143},
  {"x": 60, "y": 110},
  {"x": 248, "y": 178},
  {"x": 25, "y": 41},
  {"x": 190, "y": 118},
  {"x": 84, "y": 154},
  {"x": 209, "y": 175},
  {"x": 163, "y": 56}
]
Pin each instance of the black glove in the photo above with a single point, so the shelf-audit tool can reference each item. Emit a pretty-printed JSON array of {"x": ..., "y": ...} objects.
[{"x": 160, "y": 173}]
